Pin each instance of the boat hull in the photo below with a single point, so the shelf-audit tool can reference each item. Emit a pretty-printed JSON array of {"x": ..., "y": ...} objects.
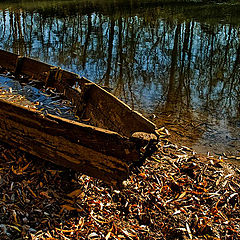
[{"x": 105, "y": 151}]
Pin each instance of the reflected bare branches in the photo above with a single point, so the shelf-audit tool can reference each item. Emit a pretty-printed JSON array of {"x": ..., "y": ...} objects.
[{"x": 155, "y": 60}]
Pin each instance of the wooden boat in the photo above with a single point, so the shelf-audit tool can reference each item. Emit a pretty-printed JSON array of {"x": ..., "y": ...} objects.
[{"x": 120, "y": 136}]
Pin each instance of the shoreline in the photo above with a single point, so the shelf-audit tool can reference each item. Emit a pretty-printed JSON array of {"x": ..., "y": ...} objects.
[{"x": 176, "y": 194}]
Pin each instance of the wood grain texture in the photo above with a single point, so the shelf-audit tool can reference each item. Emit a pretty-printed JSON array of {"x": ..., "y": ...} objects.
[
  {"x": 8, "y": 60},
  {"x": 105, "y": 151},
  {"x": 92, "y": 101},
  {"x": 106, "y": 111},
  {"x": 93, "y": 151}
]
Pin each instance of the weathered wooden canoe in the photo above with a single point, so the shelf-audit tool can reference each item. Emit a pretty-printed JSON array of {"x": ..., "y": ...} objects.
[{"x": 104, "y": 150}]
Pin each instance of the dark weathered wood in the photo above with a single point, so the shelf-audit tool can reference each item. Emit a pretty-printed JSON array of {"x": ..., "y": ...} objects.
[
  {"x": 35, "y": 69},
  {"x": 106, "y": 111},
  {"x": 67, "y": 77},
  {"x": 96, "y": 152},
  {"x": 8, "y": 60},
  {"x": 144, "y": 137}
]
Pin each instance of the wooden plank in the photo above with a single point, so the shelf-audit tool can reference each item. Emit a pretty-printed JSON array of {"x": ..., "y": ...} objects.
[
  {"x": 106, "y": 111},
  {"x": 34, "y": 68},
  {"x": 68, "y": 77},
  {"x": 8, "y": 60},
  {"x": 93, "y": 151}
]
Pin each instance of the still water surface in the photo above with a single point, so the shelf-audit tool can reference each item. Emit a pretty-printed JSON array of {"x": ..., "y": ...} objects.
[{"x": 177, "y": 64}]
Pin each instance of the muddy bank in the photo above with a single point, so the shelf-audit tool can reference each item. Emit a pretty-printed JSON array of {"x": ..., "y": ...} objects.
[{"x": 202, "y": 135}]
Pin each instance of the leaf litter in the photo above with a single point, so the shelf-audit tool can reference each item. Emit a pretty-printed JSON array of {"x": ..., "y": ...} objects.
[{"x": 176, "y": 194}]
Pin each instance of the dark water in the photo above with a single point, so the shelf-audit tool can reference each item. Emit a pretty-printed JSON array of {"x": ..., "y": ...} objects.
[
  {"x": 45, "y": 100},
  {"x": 178, "y": 64}
]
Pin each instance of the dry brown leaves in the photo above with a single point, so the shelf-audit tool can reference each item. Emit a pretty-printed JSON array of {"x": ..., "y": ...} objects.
[{"x": 175, "y": 195}]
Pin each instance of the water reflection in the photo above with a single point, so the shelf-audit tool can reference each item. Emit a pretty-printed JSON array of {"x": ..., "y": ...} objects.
[{"x": 158, "y": 60}]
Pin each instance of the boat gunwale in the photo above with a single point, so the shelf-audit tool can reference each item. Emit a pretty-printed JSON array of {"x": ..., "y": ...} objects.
[
  {"x": 112, "y": 151},
  {"x": 52, "y": 117},
  {"x": 59, "y": 77}
]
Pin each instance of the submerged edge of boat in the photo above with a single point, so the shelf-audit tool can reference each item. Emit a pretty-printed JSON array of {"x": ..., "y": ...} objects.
[{"x": 118, "y": 138}]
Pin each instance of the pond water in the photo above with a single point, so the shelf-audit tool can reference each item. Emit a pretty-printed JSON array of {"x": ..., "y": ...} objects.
[
  {"x": 45, "y": 100},
  {"x": 178, "y": 64}
]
